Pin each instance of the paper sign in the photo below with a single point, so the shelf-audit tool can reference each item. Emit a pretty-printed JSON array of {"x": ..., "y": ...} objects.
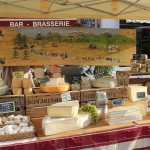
[
  {"x": 7, "y": 107},
  {"x": 65, "y": 97},
  {"x": 18, "y": 74}
]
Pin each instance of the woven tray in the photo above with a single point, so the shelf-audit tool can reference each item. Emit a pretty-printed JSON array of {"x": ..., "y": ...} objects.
[{"x": 7, "y": 137}]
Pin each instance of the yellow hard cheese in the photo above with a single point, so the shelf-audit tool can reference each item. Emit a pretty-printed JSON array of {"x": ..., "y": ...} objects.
[
  {"x": 63, "y": 109},
  {"x": 136, "y": 93}
]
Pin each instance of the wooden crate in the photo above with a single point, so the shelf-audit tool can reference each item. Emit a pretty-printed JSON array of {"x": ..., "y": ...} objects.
[
  {"x": 117, "y": 92},
  {"x": 36, "y": 104},
  {"x": 19, "y": 104},
  {"x": 123, "y": 78}
]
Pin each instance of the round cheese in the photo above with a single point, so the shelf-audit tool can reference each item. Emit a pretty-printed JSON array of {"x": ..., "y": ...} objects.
[
  {"x": 3, "y": 89},
  {"x": 55, "y": 89}
]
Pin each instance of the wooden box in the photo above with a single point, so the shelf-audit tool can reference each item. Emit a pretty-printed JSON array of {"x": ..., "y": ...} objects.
[
  {"x": 124, "y": 78},
  {"x": 36, "y": 104},
  {"x": 117, "y": 92},
  {"x": 19, "y": 104}
]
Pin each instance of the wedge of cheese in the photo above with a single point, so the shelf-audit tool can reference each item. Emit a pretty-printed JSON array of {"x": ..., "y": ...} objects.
[
  {"x": 63, "y": 109},
  {"x": 52, "y": 126},
  {"x": 122, "y": 111},
  {"x": 136, "y": 93}
]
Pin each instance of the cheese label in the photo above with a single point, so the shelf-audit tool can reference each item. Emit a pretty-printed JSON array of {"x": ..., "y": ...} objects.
[
  {"x": 66, "y": 97},
  {"x": 140, "y": 94},
  {"x": 18, "y": 74},
  {"x": 117, "y": 102}
]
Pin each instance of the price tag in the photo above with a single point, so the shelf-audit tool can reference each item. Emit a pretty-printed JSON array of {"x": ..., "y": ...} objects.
[
  {"x": 65, "y": 97},
  {"x": 7, "y": 107},
  {"x": 117, "y": 102},
  {"x": 18, "y": 74}
]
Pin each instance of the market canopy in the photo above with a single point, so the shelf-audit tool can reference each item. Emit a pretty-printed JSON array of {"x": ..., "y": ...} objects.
[{"x": 119, "y": 9}]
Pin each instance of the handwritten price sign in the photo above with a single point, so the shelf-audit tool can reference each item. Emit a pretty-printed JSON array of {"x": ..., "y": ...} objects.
[
  {"x": 18, "y": 74},
  {"x": 65, "y": 97}
]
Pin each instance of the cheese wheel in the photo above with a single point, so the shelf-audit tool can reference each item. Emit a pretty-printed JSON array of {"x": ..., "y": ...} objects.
[
  {"x": 3, "y": 89},
  {"x": 55, "y": 89},
  {"x": 16, "y": 83},
  {"x": 136, "y": 65}
]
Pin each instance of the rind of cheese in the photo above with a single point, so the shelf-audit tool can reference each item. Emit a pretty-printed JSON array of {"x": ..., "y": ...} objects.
[
  {"x": 3, "y": 89},
  {"x": 17, "y": 83},
  {"x": 135, "y": 93},
  {"x": 102, "y": 83},
  {"x": 63, "y": 109},
  {"x": 1, "y": 82},
  {"x": 143, "y": 104},
  {"x": 55, "y": 89},
  {"x": 123, "y": 111}
]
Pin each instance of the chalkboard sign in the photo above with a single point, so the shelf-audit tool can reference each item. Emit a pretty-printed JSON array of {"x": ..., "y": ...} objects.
[
  {"x": 140, "y": 94},
  {"x": 7, "y": 107},
  {"x": 117, "y": 102}
]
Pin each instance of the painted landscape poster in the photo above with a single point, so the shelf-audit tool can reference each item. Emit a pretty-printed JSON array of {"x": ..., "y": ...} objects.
[{"x": 67, "y": 46}]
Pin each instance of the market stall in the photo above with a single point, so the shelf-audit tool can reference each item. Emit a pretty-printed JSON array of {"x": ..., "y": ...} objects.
[{"x": 58, "y": 108}]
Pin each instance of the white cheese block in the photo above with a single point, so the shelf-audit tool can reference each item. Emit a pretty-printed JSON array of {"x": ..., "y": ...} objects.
[
  {"x": 63, "y": 109},
  {"x": 52, "y": 81},
  {"x": 61, "y": 81},
  {"x": 118, "y": 120},
  {"x": 100, "y": 83},
  {"x": 1, "y": 82},
  {"x": 57, "y": 125},
  {"x": 124, "y": 111},
  {"x": 3, "y": 89},
  {"x": 143, "y": 104},
  {"x": 136, "y": 93}
]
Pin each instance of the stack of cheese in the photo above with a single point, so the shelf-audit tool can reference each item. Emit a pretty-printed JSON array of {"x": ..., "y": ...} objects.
[
  {"x": 123, "y": 114},
  {"x": 65, "y": 116},
  {"x": 3, "y": 88},
  {"x": 55, "y": 85},
  {"x": 21, "y": 86},
  {"x": 141, "y": 65}
]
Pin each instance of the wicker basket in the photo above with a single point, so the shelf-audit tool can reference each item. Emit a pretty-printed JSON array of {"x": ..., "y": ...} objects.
[{"x": 25, "y": 135}]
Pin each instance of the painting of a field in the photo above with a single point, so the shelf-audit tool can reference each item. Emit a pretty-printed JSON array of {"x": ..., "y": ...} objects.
[{"x": 67, "y": 46}]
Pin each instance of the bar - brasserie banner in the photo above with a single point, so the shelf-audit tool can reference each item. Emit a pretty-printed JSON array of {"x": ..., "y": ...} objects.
[{"x": 67, "y": 46}]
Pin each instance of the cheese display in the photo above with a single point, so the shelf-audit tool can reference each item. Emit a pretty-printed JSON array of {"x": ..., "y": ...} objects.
[
  {"x": 57, "y": 125},
  {"x": 100, "y": 83},
  {"x": 3, "y": 88},
  {"x": 136, "y": 93},
  {"x": 122, "y": 111},
  {"x": 55, "y": 85},
  {"x": 63, "y": 109},
  {"x": 143, "y": 104},
  {"x": 123, "y": 114}
]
